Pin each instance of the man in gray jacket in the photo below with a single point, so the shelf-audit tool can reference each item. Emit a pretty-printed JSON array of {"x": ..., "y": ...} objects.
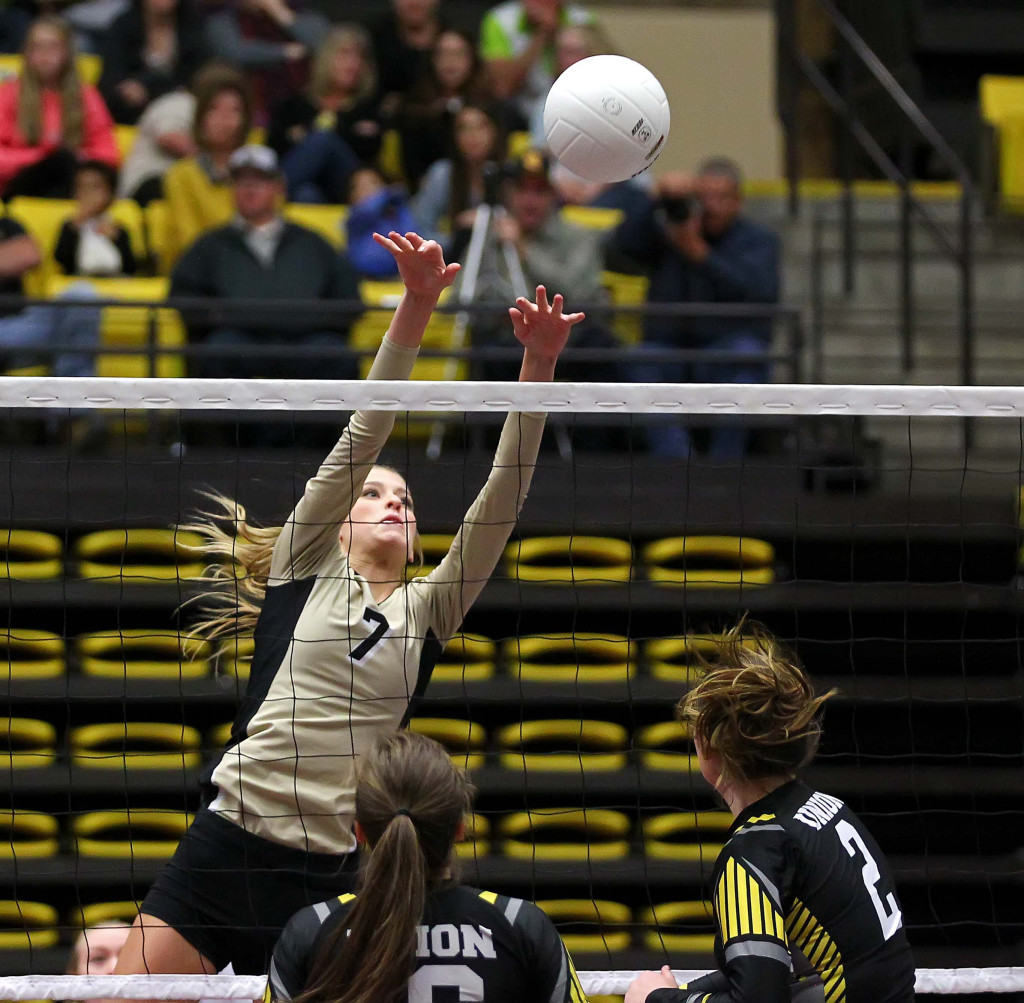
[{"x": 261, "y": 256}]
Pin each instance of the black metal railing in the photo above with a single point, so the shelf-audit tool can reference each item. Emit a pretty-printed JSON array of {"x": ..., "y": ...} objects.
[{"x": 894, "y": 165}]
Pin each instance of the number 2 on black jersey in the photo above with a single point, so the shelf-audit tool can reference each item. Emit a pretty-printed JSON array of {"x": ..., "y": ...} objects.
[
  {"x": 365, "y": 646},
  {"x": 889, "y": 916}
]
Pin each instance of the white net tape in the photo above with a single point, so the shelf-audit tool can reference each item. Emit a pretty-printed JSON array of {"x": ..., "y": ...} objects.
[
  {"x": 446, "y": 396},
  {"x": 251, "y": 987}
]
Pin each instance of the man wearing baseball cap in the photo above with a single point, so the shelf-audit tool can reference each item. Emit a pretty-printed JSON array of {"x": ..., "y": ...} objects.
[{"x": 260, "y": 255}]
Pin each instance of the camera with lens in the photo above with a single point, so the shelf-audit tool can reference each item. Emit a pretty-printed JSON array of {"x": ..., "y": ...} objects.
[{"x": 678, "y": 209}]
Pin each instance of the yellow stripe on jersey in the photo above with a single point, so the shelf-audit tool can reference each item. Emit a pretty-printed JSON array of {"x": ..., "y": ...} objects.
[
  {"x": 811, "y": 938},
  {"x": 744, "y": 908},
  {"x": 759, "y": 818},
  {"x": 267, "y": 998},
  {"x": 489, "y": 897},
  {"x": 576, "y": 993},
  {"x": 348, "y": 897}
]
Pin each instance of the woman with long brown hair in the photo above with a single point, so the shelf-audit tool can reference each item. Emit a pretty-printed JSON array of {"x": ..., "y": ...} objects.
[
  {"x": 325, "y": 134},
  {"x": 446, "y": 204},
  {"x": 345, "y": 640},
  {"x": 801, "y": 891},
  {"x": 410, "y": 927},
  {"x": 49, "y": 118}
]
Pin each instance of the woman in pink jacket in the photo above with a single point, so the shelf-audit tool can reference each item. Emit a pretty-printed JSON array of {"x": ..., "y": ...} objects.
[{"x": 49, "y": 119}]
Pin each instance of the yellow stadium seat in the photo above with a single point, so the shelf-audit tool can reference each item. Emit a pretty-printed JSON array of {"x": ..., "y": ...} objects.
[
  {"x": 137, "y": 745},
  {"x": 127, "y": 835},
  {"x": 27, "y": 926},
  {"x": 681, "y": 659},
  {"x": 593, "y": 218},
  {"x": 563, "y": 745},
  {"x": 519, "y": 142},
  {"x": 140, "y": 555},
  {"x": 30, "y": 555},
  {"x": 566, "y": 834},
  {"x": 142, "y": 654},
  {"x": 466, "y": 658},
  {"x": 626, "y": 290},
  {"x": 695, "y": 837},
  {"x": 90, "y": 66},
  {"x": 125, "y": 137},
  {"x": 326, "y": 220},
  {"x": 464, "y": 740},
  {"x": 234, "y": 657},
  {"x": 134, "y": 326},
  {"x": 103, "y": 913},
  {"x": 28, "y": 834},
  {"x": 378, "y": 293},
  {"x": 666, "y": 746},
  {"x": 475, "y": 842},
  {"x": 679, "y": 926},
  {"x": 710, "y": 561},
  {"x": 158, "y": 236},
  {"x": 571, "y": 658},
  {"x": 434, "y": 547},
  {"x": 589, "y": 925},
  {"x": 579, "y": 560},
  {"x": 1000, "y": 97},
  {"x": 391, "y": 158},
  {"x": 217, "y": 738},
  {"x": 1002, "y": 106},
  {"x": 31, "y": 654},
  {"x": 28, "y": 743}
]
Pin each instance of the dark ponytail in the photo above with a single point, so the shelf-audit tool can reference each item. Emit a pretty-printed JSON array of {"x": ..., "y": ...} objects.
[{"x": 410, "y": 802}]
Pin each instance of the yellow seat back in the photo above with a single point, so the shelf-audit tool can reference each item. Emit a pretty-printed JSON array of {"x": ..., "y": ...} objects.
[
  {"x": 1000, "y": 97},
  {"x": 90, "y": 66},
  {"x": 326, "y": 220}
]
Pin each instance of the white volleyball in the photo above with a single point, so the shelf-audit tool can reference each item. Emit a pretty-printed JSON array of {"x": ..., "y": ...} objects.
[{"x": 606, "y": 118}]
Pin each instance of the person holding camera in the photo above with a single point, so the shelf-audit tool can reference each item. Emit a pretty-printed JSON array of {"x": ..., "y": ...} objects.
[{"x": 696, "y": 245}]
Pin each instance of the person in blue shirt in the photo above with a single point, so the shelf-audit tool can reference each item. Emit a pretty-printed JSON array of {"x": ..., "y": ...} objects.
[{"x": 693, "y": 240}]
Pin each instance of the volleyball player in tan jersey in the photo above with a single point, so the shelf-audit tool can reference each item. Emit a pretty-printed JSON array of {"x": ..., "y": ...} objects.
[{"x": 343, "y": 643}]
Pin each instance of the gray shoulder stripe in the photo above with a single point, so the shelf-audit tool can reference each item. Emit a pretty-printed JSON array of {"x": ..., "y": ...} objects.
[
  {"x": 759, "y": 949},
  {"x": 693, "y": 997},
  {"x": 512, "y": 910},
  {"x": 758, "y": 828},
  {"x": 769, "y": 887},
  {"x": 276, "y": 987},
  {"x": 322, "y": 910},
  {"x": 558, "y": 993}
]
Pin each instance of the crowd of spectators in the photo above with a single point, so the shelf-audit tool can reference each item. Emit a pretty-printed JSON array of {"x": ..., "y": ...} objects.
[{"x": 237, "y": 106}]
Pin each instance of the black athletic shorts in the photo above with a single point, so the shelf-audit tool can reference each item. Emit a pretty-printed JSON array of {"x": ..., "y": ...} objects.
[{"x": 230, "y": 893}]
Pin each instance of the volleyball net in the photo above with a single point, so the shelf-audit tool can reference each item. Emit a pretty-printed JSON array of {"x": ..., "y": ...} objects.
[{"x": 874, "y": 529}]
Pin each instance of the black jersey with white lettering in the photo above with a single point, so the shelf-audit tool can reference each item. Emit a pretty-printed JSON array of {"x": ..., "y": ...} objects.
[
  {"x": 801, "y": 887},
  {"x": 478, "y": 945}
]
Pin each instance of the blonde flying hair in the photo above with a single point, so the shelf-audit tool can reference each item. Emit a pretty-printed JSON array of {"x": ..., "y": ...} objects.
[
  {"x": 410, "y": 802},
  {"x": 339, "y": 37},
  {"x": 69, "y": 88},
  {"x": 754, "y": 706},
  {"x": 239, "y": 552}
]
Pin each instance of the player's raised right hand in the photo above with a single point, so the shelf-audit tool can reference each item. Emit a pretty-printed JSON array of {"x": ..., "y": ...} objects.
[{"x": 420, "y": 262}]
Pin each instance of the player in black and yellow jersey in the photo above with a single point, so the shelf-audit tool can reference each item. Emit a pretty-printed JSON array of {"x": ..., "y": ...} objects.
[
  {"x": 411, "y": 929},
  {"x": 802, "y": 895}
]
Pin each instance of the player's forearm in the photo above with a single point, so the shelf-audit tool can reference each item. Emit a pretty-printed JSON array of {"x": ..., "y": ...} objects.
[
  {"x": 537, "y": 368},
  {"x": 411, "y": 319}
]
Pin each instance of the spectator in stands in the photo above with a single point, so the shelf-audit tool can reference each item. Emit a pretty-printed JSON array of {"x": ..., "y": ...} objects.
[
  {"x": 270, "y": 39},
  {"x": 445, "y": 205},
  {"x": 627, "y": 196},
  {"x": 699, "y": 248},
  {"x": 453, "y": 78},
  {"x": 261, "y": 256},
  {"x": 150, "y": 50},
  {"x": 554, "y": 254},
  {"x": 42, "y": 325},
  {"x": 15, "y": 19},
  {"x": 326, "y": 133},
  {"x": 198, "y": 188},
  {"x": 90, "y": 242},
  {"x": 375, "y": 207},
  {"x": 573, "y": 42},
  {"x": 403, "y": 40},
  {"x": 49, "y": 119},
  {"x": 517, "y": 42}
]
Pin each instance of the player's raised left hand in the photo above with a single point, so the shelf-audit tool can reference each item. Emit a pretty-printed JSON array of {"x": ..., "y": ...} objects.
[
  {"x": 420, "y": 262},
  {"x": 541, "y": 327}
]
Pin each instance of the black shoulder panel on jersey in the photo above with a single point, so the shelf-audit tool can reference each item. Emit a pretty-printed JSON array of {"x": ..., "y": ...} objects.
[{"x": 298, "y": 945}]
